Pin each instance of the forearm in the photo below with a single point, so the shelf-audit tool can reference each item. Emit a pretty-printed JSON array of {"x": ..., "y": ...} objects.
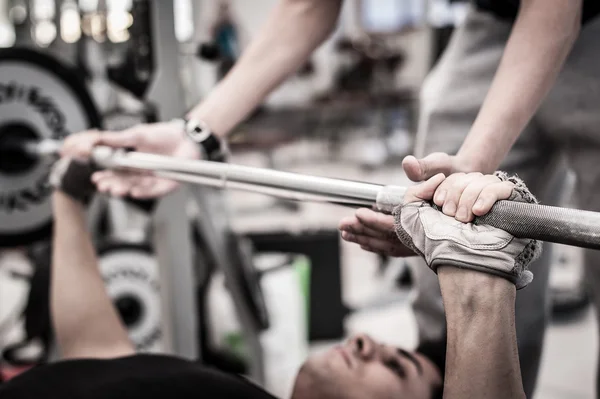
[
  {"x": 482, "y": 356},
  {"x": 85, "y": 321},
  {"x": 293, "y": 31},
  {"x": 541, "y": 39}
]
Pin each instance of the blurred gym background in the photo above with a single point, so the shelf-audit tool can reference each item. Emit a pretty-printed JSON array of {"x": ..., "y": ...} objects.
[{"x": 351, "y": 112}]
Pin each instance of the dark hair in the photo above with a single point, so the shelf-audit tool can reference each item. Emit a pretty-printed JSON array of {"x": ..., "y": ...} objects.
[
  {"x": 436, "y": 352},
  {"x": 438, "y": 392}
]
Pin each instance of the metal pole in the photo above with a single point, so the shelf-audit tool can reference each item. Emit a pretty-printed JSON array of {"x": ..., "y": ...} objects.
[
  {"x": 546, "y": 223},
  {"x": 230, "y": 176},
  {"x": 554, "y": 224}
]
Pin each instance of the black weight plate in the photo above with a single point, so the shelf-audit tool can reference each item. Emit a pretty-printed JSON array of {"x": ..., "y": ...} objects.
[{"x": 41, "y": 97}]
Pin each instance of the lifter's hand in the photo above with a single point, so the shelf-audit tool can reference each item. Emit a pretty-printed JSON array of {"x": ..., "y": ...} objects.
[
  {"x": 165, "y": 138},
  {"x": 374, "y": 231},
  {"x": 441, "y": 240}
]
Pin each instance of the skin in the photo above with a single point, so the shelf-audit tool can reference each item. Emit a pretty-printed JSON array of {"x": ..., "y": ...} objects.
[
  {"x": 165, "y": 138},
  {"x": 473, "y": 194},
  {"x": 275, "y": 53},
  {"x": 481, "y": 351},
  {"x": 541, "y": 38},
  {"x": 482, "y": 356},
  {"x": 362, "y": 368},
  {"x": 87, "y": 325}
]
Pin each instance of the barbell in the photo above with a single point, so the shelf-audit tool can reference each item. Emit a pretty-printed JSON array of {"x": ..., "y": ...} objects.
[{"x": 546, "y": 223}]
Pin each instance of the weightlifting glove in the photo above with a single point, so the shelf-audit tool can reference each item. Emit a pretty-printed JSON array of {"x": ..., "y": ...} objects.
[
  {"x": 73, "y": 177},
  {"x": 443, "y": 240}
]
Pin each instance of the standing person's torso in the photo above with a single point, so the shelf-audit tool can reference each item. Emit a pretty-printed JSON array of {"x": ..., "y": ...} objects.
[{"x": 508, "y": 9}]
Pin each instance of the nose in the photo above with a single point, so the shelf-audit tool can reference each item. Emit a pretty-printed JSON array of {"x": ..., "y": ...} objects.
[{"x": 363, "y": 346}]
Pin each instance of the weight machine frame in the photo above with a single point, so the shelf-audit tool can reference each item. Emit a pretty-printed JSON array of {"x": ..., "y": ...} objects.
[{"x": 172, "y": 227}]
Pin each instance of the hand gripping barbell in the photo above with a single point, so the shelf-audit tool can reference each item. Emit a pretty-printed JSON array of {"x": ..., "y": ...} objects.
[{"x": 546, "y": 223}]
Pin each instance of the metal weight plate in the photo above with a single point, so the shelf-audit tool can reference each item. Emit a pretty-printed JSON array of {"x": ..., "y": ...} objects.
[
  {"x": 39, "y": 98},
  {"x": 131, "y": 276}
]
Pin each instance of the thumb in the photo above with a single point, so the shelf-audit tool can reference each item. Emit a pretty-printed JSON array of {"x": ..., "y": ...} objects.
[
  {"x": 125, "y": 138},
  {"x": 422, "y": 169},
  {"x": 424, "y": 191}
]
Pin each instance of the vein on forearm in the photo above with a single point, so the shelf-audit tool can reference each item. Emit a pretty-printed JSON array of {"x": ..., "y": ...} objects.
[{"x": 482, "y": 357}]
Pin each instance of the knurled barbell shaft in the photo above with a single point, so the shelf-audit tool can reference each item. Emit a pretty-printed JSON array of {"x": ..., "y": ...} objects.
[{"x": 554, "y": 224}]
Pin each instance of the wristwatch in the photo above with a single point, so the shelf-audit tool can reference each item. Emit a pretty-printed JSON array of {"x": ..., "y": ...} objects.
[{"x": 199, "y": 132}]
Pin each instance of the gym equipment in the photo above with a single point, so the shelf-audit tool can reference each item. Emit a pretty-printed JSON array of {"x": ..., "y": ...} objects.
[
  {"x": 232, "y": 257},
  {"x": 36, "y": 315},
  {"x": 546, "y": 223},
  {"x": 135, "y": 72},
  {"x": 130, "y": 272},
  {"x": 157, "y": 79},
  {"x": 242, "y": 282},
  {"x": 325, "y": 307},
  {"x": 171, "y": 230},
  {"x": 40, "y": 98}
]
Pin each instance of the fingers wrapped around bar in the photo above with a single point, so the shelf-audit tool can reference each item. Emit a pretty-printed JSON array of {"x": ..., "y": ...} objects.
[{"x": 442, "y": 240}]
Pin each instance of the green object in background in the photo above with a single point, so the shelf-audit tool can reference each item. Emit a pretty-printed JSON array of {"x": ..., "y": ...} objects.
[
  {"x": 302, "y": 267},
  {"x": 235, "y": 342}
]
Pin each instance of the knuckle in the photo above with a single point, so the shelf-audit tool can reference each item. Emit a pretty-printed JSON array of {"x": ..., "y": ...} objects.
[
  {"x": 459, "y": 184},
  {"x": 469, "y": 194},
  {"x": 487, "y": 197},
  {"x": 508, "y": 184},
  {"x": 456, "y": 176}
]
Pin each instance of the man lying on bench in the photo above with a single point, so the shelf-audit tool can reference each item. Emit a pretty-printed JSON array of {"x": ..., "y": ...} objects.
[{"x": 479, "y": 269}]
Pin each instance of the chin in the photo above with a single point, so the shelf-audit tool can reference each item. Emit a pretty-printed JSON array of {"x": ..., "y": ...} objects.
[{"x": 316, "y": 380}]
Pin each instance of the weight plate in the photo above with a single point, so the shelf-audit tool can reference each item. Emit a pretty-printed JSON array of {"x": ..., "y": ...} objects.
[
  {"x": 131, "y": 276},
  {"x": 39, "y": 98}
]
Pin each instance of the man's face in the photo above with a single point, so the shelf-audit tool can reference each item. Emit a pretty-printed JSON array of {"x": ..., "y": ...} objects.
[{"x": 362, "y": 368}]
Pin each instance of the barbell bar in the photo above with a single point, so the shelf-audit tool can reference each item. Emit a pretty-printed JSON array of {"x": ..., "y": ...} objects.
[{"x": 547, "y": 223}]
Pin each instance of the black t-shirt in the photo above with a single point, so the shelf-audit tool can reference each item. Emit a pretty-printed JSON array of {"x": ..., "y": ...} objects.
[
  {"x": 508, "y": 9},
  {"x": 138, "y": 376}
]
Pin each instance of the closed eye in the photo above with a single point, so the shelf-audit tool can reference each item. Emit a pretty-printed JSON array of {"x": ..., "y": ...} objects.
[
  {"x": 412, "y": 358},
  {"x": 396, "y": 367}
]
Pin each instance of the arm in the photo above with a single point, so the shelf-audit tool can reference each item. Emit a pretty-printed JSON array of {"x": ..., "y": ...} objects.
[
  {"x": 85, "y": 321},
  {"x": 479, "y": 269},
  {"x": 293, "y": 31},
  {"x": 541, "y": 39},
  {"x": 481, "y": 359},
  {"x": 542, "y": 36}
]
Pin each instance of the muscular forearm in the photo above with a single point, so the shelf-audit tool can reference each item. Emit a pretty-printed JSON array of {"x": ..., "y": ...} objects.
[
  {"x": 293, "y": 31},
  {"x": 84, "y": 319},
  {"x": 482, "y": 358},
  {"x": 543, "y": 35}
]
